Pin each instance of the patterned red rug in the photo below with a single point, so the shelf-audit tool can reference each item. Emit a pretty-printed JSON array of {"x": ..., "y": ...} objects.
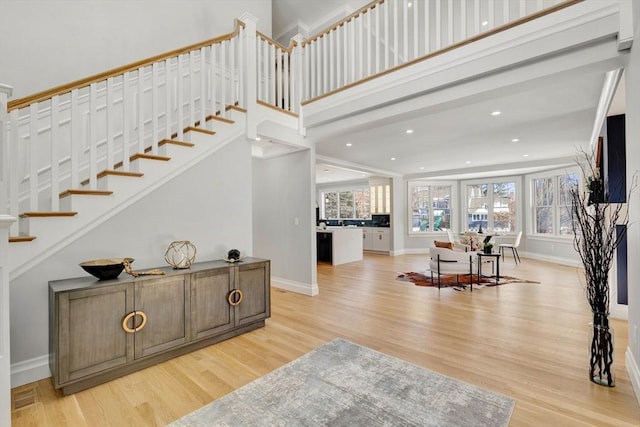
[{"x": 462, "y": 281}]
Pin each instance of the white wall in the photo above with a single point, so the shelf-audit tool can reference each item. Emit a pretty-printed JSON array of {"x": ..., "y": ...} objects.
[
  {"x": 284, "y": 219},
  {"x": 46, "y": 43},
  {"x": 199, "y": 205}
]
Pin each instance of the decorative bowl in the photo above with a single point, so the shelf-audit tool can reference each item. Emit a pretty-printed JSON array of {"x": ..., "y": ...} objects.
[{"x": 105, "y": 269}]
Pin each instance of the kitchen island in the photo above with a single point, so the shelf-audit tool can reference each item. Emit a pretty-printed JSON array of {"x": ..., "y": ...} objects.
[{"x": 339, "y": 245}]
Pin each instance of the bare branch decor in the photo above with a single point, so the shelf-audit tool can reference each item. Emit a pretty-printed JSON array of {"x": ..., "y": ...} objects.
[{"x": 595, "y": 238}]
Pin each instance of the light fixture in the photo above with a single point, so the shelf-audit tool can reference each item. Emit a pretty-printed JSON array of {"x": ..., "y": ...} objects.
[
  {"x": 393, "y": 158},
  {"x": 409, "y": 130},
  {"x": 258, "y": 138},
  {"x": 485, "y": 23},
  {"x": 515, "y": 140},
  {"x": 421, "y": 168},
  {"x": 349, "y": 144},
  {"x": 468, "y": 162},
  {"x": 525, "y": 155},
  {"x": 496, "y": 113},
  {"x": 409, "y": 4}
]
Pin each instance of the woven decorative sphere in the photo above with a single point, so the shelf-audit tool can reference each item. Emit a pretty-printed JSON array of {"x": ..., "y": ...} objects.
[{"x": 180, "y": 254}]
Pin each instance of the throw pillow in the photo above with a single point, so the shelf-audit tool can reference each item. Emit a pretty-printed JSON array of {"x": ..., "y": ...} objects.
[{"x": 447, "y": 245}]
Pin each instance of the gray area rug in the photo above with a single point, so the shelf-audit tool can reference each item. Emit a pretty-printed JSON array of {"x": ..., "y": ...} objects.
[{"x": 345, "y": 384}]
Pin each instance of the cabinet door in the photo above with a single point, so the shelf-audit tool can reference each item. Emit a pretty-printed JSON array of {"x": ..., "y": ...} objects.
[
  {"x": 253, "y": 280},
  {"x": 211, "y": 313},
  {"x": 382, "y": 240},
  {"x": 368, "y": 239},
  {"x": 165, "y": 303},
  {"x": 91, "y": 337}
]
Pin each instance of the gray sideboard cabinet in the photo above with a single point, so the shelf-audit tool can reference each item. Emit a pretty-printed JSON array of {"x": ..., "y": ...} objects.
[{"x": 101, "y": 330}]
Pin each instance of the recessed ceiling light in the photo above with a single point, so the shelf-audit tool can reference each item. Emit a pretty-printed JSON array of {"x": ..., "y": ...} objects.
[
  {"x": 525, "y": 155},
  {"x": 258, "y": 138},
  {"x": 393, "y": 158},
  {"x": 363, "y": 174},
  {"x": 409, "y": 130},
  {"x": 515, "y": 140},
  {"x": 349, "y": 144},
  {"x": 468, "y": 162},
  {"x": 409, "y": 4},
  {"x": 421, "y": 168},
  {"x": 496, "y": 113},
  {"x": 485, "y": 23}
]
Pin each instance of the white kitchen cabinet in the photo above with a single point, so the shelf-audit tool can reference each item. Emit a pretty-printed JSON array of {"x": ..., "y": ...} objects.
[{"x": 376, "y": 239}]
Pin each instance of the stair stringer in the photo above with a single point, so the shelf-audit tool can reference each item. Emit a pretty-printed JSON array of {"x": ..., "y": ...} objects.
[{"x": 56, "y": 233}]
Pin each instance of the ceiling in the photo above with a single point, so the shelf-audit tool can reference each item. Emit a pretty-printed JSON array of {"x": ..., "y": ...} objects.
[{"x": 540, "y": 126}]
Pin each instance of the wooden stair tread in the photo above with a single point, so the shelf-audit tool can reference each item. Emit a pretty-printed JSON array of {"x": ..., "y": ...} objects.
[
  {"x": 178, "y": 143},
  {"x": 149, "y": 157},
  {"x": 46, "y": 214},
  {"x": 200, "y": 130},
  {"x": 220, "y": 119},
  {"x": 21, "y": 238},
  {"x": 111, "y": 172},
  {"x": 85, "y": 193},
  {"x": 235, "y": 107}
]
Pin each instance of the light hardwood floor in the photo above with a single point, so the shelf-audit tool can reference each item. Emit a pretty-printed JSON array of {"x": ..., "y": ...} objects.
[{"x": 527, "y": 341}]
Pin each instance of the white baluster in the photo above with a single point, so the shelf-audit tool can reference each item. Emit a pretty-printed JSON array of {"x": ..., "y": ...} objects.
[
  {"x": 55, "y": 150},
  {"x": 233, "y": 96},
  {"x": 203, "y": 88},
  {"x": 179, "y": 98},
  {"x": 140, "y": 110},
  {"x": 352, "y": 52},
  {"x": 331, "y": 38},
  {"x": 505, "y": 11},
  {"x": 93, "y": 136},
  {"x": 463, "y": 20},
  {"x": 214, "y": 78},
  {"x": 491, "y": 15},
  {"x": 312, "y": 68},
  {"x": 285, "y": 81},
  {"x": 377, "y": 44},
  {"x": 338, "y": 56},
  {"x": 539, "y": 5},
  {"x": 369, "y": 40},
  {"x": 427, "y": 27},
  {"x": 386, "y": 46},
  {"x": 359, "y": 22},
  {"x": 266, "y": 60},
  {"x": 223, "y": 79},
  {"x": 477, "y": 18},
  {"x": 405, "y": 30},
  {"x": 273, "y": 73},
  {"x": 279, "y": 72},
  {"x": 318, "y": 44},
  {"x": 191, "y": 90},
  {"x": 325, "y": 63},
  {"x": 76, "y": 139},
  {"x": 242, "y": 69},
  {"x": 523, "y": 8},
  {"x": 154, "y": 108},
  {"x": 127, "y": 99},
  {"x": 168, "y": 96},
  {"x": 450, "y": 23},
  {"x": 249, "y": 45},
  {"x": 33, "y": 156},
  {"x": 395, "y": 22},
  {"x": 109, "y": 124},
  {"x": 259, "y": 72},
  {"x": 439, "y": 24},
  {"x": 416, "y": 27}
]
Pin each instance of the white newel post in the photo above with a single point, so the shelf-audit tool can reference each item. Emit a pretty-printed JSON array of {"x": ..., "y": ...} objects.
[
  {"x": 251, "y": 74},
  {"x": 297, "y": 81},
  {"x": 5, "y": 354},
  {"x": 5, "y": 93}
]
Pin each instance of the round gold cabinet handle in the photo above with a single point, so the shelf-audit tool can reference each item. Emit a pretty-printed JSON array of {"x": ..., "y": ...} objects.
[
  {"x": 126, "y": 327},
  {"x": 235, "y": 297}
]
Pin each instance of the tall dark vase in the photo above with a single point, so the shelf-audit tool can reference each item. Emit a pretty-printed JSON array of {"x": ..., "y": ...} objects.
[{"x": 601, "y": 352}]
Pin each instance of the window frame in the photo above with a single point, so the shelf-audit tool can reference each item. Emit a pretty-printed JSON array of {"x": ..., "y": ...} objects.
[
  {"x": 453, "y": 204},
  {"x": 555, "y": 176},
  {"x": 364, "y": 187},
  {"x": 490, "y": 182}
]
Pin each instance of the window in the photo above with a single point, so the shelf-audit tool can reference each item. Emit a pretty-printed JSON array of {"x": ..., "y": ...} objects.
[
  {"x": 348, "y": 204},
  {"x": 552, "y": 204},
  {"x": 430, "y": 207},
  {"x": 491, "y": 206}
]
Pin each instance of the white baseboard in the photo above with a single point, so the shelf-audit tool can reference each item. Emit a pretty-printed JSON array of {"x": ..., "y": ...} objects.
[
  {"x": 556, "y": 260},
  {"x": 29, "y": 371},
  {"x": 634, "y": 372},
  {"x": 297, "y": 287}
]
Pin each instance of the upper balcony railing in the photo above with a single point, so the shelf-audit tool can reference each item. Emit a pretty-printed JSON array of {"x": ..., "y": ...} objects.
[{"x": 61, "y": 138}]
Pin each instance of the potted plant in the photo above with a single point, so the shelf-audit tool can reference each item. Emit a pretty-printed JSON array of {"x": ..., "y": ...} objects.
[
  {"x": 596, "y": 240},
  {"x": 488, "y": 247}
]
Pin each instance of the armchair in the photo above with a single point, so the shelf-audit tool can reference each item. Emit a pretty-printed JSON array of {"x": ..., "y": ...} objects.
[{"x": 448, "y": 262}]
